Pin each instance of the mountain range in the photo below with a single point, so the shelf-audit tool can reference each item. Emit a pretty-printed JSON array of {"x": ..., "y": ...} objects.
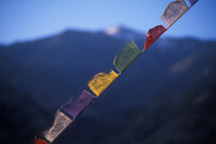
[{"x": 166, "y": 96}]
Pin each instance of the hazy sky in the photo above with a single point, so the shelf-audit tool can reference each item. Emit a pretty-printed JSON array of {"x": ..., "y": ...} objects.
[{"x": 23, "y": 20}]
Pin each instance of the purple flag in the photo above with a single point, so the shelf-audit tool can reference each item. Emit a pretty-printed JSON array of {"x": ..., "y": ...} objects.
[
  {"x": 193, "y": 2},
  {"x": 76, "y": 105}
]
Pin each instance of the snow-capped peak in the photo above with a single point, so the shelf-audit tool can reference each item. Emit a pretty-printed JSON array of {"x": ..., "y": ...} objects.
[
  {"x": 123, "y": 32},
  {"x": 112, "y": 30}
]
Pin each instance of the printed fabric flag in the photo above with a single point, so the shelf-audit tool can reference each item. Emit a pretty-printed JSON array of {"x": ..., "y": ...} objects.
[
  {"x": 174, "y": 11},
  {"x": 76, "y": 105},
  {"x": 61, "y": 122},
  {"x": 40, "y": 141},
  {"x": 193, "y": 2},
  {"x": 153, "y": 35},
  {"x": 101, "y": 81},
  {"x": 126, "y": 56}
]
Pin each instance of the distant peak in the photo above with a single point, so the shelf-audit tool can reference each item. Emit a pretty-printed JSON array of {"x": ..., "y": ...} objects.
[
  {"x": 117, "y": 29},
  {"x": 112, "y": 30},
  {"x": 123, "y": 32}
]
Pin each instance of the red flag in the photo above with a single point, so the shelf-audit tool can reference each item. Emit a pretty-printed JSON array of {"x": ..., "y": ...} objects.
[
  {"x": 40, "y": 141},
  {"x": 153, "y": 35}
]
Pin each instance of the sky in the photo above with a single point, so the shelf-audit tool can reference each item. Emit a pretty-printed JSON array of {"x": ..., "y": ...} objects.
[{"x": 24, "y": 20}]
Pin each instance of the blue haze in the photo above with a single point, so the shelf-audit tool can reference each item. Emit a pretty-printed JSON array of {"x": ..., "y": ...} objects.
[{"x": 31, "y": 19}]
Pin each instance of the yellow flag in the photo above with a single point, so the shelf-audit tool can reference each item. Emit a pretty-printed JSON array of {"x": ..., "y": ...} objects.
[{"x": 101, "y": 81}]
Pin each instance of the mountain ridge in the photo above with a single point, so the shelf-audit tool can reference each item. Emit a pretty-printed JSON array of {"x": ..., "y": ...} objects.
[{"x": 52, "y": 70}]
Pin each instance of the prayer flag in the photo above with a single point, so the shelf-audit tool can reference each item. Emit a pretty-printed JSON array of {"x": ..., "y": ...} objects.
[
  {"x": 61, "y": 122},
  {"x": 40, "y": 141},
  {"x": 153, "y": 35},
  {"x": 76, "y": 105},
  {"x": 101, "y": 81},
  {"x": 193, "y": 2},
  {"x": 69, "y": 112},
  {"x": 126, "y": 56},
  {"x": 174, "y": 11}
]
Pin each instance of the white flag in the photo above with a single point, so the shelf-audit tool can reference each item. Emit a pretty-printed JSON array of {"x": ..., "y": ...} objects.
[
  {"x": 174, "y": 11},
  {"x": 61, "y": 122}
]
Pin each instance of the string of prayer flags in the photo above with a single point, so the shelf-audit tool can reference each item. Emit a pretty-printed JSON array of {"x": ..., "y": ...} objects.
[
  {"x": 69, "y": 112},
  {"x": 126, "y": 56},
  {"x": 153, "y": 34},
  {"x": 101, "y": 81},
  {"x": 76, "y": 105},
  {"x": 174, "y": 11},
  {"x": 193, "y": 2},
  {"x": 61, "y": 122},
  {"x": 40, "y": 141}
]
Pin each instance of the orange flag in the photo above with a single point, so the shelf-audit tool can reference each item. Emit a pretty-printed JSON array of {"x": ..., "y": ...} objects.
[{"x": 153, "y": 35}]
